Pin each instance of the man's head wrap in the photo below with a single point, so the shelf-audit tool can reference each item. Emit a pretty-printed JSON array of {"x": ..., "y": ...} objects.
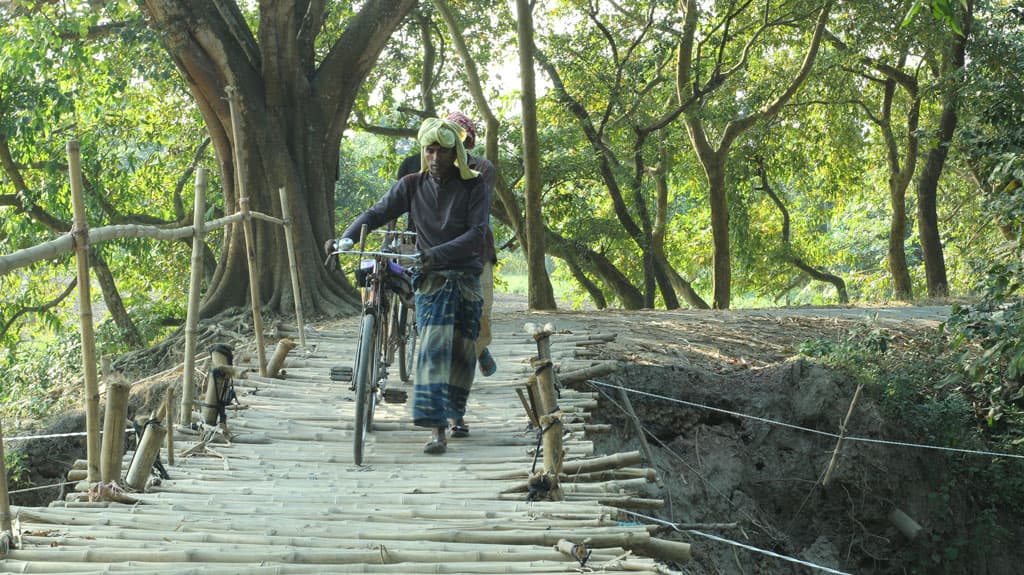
[
  {"x": 449, "y": 135},
  {"x": 468, "y": 125}
]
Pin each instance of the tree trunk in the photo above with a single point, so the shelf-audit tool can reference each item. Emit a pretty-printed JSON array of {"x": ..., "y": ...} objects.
[
  {"x": 115, "y": 305},
  {"x": 928, "y": 183},
  {"x": 541, "y": 295},
  {"x": 721, "y": 271},
  {"x": 899, "y": 180},
  {"x": 294, "y": 102}
]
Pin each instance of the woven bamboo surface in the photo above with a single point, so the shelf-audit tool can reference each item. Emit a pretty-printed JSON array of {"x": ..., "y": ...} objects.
[{"x": 284, "y": 496}]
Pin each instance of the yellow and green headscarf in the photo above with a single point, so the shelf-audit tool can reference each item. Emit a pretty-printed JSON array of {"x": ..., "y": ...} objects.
[{"x": 449, "y": 135}]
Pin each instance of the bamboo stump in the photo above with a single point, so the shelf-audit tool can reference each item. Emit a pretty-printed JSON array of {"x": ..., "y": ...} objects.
[
  {"x": 280, "y": 353},
  {"x": 145, "y": 456},
  {"x": 113, "y": 428}
]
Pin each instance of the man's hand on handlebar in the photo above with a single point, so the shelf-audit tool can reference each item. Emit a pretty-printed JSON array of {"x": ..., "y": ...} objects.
[{"x": 425, "y": 258}]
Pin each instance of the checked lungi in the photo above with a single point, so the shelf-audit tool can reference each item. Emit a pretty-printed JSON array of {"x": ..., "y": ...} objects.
[{"x": 448, "y": 305}]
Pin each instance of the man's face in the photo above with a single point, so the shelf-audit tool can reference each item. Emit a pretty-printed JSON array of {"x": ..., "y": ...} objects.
[{"x": 440, "y": 160}]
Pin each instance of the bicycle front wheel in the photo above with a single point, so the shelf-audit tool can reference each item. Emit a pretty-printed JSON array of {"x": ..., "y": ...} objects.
[{"x": 363, "y": 374}]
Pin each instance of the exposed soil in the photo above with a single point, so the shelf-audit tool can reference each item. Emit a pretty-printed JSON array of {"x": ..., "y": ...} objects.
[{"x": 758, "y": 483}]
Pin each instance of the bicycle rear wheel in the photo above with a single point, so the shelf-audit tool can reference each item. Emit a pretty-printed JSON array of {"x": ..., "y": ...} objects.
[
  {"x": 364, "y": 373},
  {"x": 407, "y": 342}
]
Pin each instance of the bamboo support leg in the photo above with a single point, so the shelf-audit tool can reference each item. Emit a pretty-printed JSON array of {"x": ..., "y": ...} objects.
[
  {"x": 645, "y": 448},
  {"x": 293, "y": 266},
  {"x": 80, "y": 231},
  {"x": 250, "y": 241},
  {"x": 188, "y": 386}
]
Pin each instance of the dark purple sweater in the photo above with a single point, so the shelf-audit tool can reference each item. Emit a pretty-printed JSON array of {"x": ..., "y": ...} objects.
[{"x": 451, "y": 218}]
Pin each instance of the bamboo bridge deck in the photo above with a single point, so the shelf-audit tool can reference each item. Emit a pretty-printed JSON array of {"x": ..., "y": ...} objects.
[{"x": 284, "y": 496}]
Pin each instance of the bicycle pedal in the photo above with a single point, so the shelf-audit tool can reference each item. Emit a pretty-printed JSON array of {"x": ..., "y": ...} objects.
[
  {"x": 395, "y": 395},
  {"x": 341, "y": 373}
]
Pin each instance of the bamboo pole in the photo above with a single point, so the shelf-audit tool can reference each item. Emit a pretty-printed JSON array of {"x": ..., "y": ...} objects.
[
  {"x": 169, "y": 402},
  {"x": 145, "y": 456},
  {"x": 250, "y": 241},
  {"x": 80, "y": 232},
  {"x": 905, "y": 524},
  {"x": 293, "y": 266},
  {"x": 280, "y": 353},
  {"x": 842, "y": 436},
  {"x": 5, "y": 502},
  {"x": 64, "y": 244},
  {"x": 579, "y": 375},
  {"x": 527, "y": 407},
  {"x": 188, "y": 385},
  {"x": 550, "y": 415},
  {"x": 266, "y": 218},
  {"x": 674, "y": 551},
  {"x": 113, "y": 428}
]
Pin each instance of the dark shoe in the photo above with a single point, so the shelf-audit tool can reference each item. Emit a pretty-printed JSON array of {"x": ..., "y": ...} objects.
[
  {"x": 435, "y": 446},
  {"x": 487, "y": 363},
  {"x": 460, "y": 430}
]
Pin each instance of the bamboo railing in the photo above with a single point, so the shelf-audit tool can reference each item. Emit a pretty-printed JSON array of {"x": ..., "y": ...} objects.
[{"x": 79, "y": 241}]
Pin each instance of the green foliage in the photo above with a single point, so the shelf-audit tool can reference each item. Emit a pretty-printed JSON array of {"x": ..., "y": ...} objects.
[
  {"x": 17, "y": 471},
  {"x": 942, "y": 10},
  {"x": 38, "y": 375},
  {"x": 367, "y": 171}
]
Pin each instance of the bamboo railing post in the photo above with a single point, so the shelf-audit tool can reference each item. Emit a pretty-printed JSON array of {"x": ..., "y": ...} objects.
[
  {"x": 80, "y": 233},
  {"x": 250, "y": 241},
  {"x": 170, "y": 418},
  {"x": 280, "y": 353},
  {"x": 113, "y": 428},
  {"x": 5, "y": 503},
  {"x": 188, "y": 384},
  {"x": 550, "y": 416},
  {"x": 293, "y": 265},
  {"x": 145, "y": 456}
]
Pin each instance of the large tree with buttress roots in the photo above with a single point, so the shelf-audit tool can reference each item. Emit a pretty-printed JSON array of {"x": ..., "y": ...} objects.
[{"x": 297, "y": 67}]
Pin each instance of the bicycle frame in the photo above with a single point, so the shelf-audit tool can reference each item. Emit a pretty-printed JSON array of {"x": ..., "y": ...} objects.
[{"x": 374, "y": 351}]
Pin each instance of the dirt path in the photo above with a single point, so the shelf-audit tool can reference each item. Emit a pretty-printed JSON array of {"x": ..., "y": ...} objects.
[{"x": 720, "y": 341}]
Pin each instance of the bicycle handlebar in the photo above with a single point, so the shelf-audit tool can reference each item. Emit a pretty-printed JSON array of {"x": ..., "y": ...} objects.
[{"x": 396, "y": 255}]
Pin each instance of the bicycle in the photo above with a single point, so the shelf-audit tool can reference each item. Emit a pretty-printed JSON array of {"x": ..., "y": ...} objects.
[{"x": 383, "y": 329}]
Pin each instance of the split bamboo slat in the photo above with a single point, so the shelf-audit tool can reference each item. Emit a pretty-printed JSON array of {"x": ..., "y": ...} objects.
[{"x": 279, "y": 493}]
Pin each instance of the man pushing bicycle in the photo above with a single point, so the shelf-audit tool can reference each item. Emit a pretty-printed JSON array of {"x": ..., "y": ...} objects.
[{"x": 449, "y": 205}]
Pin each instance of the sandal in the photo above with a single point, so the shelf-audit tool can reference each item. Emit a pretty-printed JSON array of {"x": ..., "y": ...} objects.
[
  {"x": 460, "y": 430},
  {"x": 435, "y": 446},
  {"x": 486, "y": 363}
]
